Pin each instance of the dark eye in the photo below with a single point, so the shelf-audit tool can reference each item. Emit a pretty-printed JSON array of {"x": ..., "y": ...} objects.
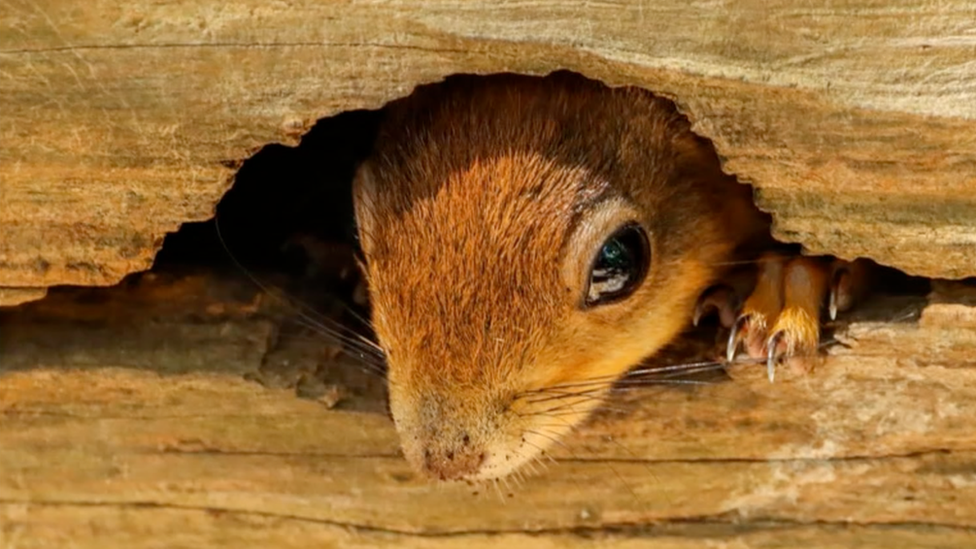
[{"x": 620, "y": 265}]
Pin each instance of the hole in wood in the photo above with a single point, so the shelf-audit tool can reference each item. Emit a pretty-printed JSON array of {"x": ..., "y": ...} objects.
[{"x": 287, "y": 223}]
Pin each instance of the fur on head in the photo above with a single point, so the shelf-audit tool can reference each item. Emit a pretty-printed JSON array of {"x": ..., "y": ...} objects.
[{"x": 480, "y": 213}]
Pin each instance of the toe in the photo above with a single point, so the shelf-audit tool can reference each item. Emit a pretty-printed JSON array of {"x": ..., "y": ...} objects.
[
  {"x": 796, "y": 332},
  {"x": 795, "y": 335},
  {"x": 720, "y": 300},
  {"x": 850, "y": 282},
  {"x": 763, "y": 304},
  {"x": 780, "y": 321}
]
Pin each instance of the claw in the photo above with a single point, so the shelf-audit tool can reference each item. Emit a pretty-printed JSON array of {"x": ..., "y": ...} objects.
[
  {"x": 849, "y": 283},
  {"x": 840, "y": 276},
  {"x": 722, "y": 300},
  {"x": 733, "y": 345},
  {"x": 700, "y": 310},
  {"x": 771, "y": 356}
]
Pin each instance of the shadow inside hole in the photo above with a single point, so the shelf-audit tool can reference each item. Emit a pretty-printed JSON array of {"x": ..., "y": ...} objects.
[
  {"x": 287, "y": 225},
  {"x": 262, "y": 291},
  {"x": 280, "y": 193}
]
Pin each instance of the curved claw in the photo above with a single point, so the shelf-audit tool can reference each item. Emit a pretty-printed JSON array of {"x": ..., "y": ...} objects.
[
  {"x": 719, "y": 299},
  {"x": 771, "y": 356},
  {"x": 835, "y": 288},
  {"x": 700, "y": 311},
  {"x": 735, "y": 337}
]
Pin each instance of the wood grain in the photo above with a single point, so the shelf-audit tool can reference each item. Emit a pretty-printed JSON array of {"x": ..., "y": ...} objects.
[
  {"x": 855, "y": 119},
  {"x": 128, "y": 422}
]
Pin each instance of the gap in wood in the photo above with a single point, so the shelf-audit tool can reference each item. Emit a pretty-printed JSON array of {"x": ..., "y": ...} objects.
[{"x": 288, "y": 233}]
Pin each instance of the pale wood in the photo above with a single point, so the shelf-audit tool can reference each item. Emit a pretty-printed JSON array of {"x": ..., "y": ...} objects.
[
  {"x": 856, "y": 119},
  {"x": 16, "y": 296},
  {"x": 127, "y": 422},
  {"x": 97, "y": 527}
]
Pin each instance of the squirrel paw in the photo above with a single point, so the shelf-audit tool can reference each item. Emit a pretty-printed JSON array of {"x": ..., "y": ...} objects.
[{"x": 779, "y": 321}]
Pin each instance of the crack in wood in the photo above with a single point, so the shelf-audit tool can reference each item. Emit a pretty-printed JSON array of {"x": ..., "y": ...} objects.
[
  {"x": 622, "y": 529},
  {"x": 583, "y": 461},
  {"x": 230, "y": 45}
]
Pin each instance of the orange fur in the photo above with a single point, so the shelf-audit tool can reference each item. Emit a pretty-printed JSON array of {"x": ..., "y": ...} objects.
[
  {"x": 763, "y": 304},
  {"x": 479, "y": 213}
]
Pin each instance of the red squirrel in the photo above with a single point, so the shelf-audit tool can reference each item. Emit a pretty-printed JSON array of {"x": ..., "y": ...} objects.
[{"x": 528, "y": 240}]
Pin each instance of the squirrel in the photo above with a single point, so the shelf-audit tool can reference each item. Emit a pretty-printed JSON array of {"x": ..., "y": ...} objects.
[{"x": 528, "y": 240}]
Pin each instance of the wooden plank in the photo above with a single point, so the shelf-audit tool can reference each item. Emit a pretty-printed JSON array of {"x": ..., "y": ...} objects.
[
  {"x": 16, "y": 296},
  {"x": 116, "y": 446},
  {"x": 856, "y": 119},
  {"x": 138, "y": 527}
]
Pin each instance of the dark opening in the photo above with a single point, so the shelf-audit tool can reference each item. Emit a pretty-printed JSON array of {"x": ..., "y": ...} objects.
[
  {"x": 284, "y": 256},
  {"x": 286, "y": 229},
  {"x": 286, "y": 204}
]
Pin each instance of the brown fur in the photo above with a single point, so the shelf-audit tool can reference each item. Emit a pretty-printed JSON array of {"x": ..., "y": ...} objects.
[{"x": 474, "y": 214}]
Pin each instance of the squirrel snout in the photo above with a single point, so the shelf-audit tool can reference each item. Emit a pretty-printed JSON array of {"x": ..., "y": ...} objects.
[
  {"x": 442, "y": 441},
  {"x": 454, "y": 459}
]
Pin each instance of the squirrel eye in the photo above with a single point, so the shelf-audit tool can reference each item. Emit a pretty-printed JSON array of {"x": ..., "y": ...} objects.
[{"x": 620, "y": 266}]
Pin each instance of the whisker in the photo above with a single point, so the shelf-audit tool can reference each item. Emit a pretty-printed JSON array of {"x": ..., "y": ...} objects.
[
  {"x": 353, "y": 339},
  {"x": 350, "y": 348},
  {"x": 654, "y": 373},
  {"x": 596, "y": 394},
  {"x": 308, "y": 314},
  {"x": 695, "y": 367},
  {"x": 537, "y": 460},
  {"x": 518, "y": 476},
  {"x": 358, "y": 357},
  {"x": 674, "y": 370},
  {"x": 637, "y": 383},
  {"x": 542, "y": 452},
  {"x": 608, "y": 464},
  {"x": 320, "y": 336},
  {"x": 562, "y": 401},
  {"x": 504, "y": 481},
  {"x": 498, "y": 490},
  {"x": 550, "y": 395},
  {"x": 570, "y": 412},
  {"x": 362, "y": 320},
  {"x": 554, "y": 440},
  {"x": 597, "y": 391}
]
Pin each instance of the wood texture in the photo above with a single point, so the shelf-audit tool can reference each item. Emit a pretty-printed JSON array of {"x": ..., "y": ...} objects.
[
  {"x": 131, "y": 417},
  {"x": 855, "y": 119},
  {"x": 128, "y": 422}
]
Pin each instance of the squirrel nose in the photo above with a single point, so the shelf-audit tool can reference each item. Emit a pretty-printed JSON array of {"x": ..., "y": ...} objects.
[{"x": 453, "y": 459}]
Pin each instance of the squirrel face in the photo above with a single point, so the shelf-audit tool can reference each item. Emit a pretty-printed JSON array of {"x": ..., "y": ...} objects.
[{"x": 526, "y": 242}]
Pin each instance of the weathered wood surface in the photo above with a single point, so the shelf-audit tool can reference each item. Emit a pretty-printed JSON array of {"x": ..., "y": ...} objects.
[
  {"x": 127, "y": 422},
  {"x": 856, "y": 118}
]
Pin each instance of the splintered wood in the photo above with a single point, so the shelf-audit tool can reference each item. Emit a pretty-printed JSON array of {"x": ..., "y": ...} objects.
[
  {"x": 856, "y": 120},
  {"x": 140, "y": 429}
]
